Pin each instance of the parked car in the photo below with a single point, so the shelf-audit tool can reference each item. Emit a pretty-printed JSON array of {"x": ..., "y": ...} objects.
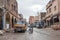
[
  {"x": 37, "y": 25},
  {"x": 40, "y": 24},
  {"x": 20, "y": 26}
]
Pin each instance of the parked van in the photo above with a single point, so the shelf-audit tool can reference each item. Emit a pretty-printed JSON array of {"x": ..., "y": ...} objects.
[{"x": 20, "y": 26}]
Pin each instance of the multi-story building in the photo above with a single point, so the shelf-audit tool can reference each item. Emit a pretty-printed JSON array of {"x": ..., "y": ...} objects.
[
  {"x": 31, "y": 19},
  {"x": 36, "y": 18},
  {"x": 53, "y": 12},
  {"x": 42, "y": 15},
  {"x": 41, "y": 18},
  {"x": 9, "y": 13},
  {"x": 21, "y": 16}
]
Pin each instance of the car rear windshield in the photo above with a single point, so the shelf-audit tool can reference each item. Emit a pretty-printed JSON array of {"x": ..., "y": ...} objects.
[{"x": 20, "y": 22}]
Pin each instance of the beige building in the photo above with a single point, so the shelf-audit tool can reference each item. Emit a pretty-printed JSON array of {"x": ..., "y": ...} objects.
[
  {"x": 42, "y": 17},
  {"x": 53, "y": 12},
  {"x": 36, "y": 18},
  {"x": 9, "y": 11}
]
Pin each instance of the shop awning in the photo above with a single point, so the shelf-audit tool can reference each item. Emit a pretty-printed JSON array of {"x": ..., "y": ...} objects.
[{"x": 55, "y": 15}]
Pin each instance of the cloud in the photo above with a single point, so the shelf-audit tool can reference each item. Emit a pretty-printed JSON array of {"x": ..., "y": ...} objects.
[
  {"x": 36, "y": 8},
  {"x": 30, "y": 7}
]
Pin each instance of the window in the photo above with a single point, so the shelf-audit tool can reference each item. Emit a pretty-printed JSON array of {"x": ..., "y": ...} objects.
[
  {"x": 54, "y": 8},
  {"x": 47, "y": 11},
  {"x": 8, "y": 2},
  {"x": 12, "y": 6},
  {"x": 15, "y": 9},
  {"x": 50, "y": 10},
  {"x": 53, "y": 0}
]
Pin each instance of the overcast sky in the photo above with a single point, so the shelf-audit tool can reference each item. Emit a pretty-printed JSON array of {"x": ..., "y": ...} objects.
[{"x": 31, "y": 7}]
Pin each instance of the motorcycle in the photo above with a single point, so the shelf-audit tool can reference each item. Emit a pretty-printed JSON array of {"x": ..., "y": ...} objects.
[{"x": 30, "y": 30}]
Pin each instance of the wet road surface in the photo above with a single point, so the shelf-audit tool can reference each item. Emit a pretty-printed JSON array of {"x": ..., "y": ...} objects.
[{"x": 36, "y": 35}]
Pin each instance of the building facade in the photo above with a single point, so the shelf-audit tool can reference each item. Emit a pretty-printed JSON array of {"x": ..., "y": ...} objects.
[
  {"x": 41, "y": 18},
  {"x": 36, "y": 18},
  {"x": 21, "y": 17},
  {"x": 9, "y": 12},
  {"x": 42, "y": 15},
  {"x": 53, "y": 12},
  {"x": 31, "y": 19}
]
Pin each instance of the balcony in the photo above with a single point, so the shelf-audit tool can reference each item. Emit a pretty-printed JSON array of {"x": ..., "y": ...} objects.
[
  {"x": 49, "y": 4},
  {"x": 47, "y": 15}
]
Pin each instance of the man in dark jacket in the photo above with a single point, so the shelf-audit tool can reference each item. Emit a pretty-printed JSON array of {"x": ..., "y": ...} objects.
[{"x": 31, "y": 28}]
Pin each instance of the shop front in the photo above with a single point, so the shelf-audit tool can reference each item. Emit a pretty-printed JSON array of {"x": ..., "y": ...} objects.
[
  {"x": 55, "y": 19},
  {"x": 56, "y": 22}
]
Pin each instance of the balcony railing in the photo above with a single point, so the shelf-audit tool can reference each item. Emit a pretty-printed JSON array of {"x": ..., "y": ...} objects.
[{"x": 49, "y": 3}]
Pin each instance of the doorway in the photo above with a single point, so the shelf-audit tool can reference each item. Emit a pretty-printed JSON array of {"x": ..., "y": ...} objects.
[{"x": 1, "y": 23}]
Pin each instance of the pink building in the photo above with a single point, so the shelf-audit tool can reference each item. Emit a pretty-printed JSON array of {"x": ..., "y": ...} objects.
[
  {"x": 53, "y": 12},
  {"x": 31, "y": 19}
]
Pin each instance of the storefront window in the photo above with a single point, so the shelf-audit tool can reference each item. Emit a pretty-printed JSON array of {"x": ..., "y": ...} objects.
[{"x": 56, "y": 19}]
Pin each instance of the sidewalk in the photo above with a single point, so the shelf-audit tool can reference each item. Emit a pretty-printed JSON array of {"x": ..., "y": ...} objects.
[{"x": 48, "y": 31}]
